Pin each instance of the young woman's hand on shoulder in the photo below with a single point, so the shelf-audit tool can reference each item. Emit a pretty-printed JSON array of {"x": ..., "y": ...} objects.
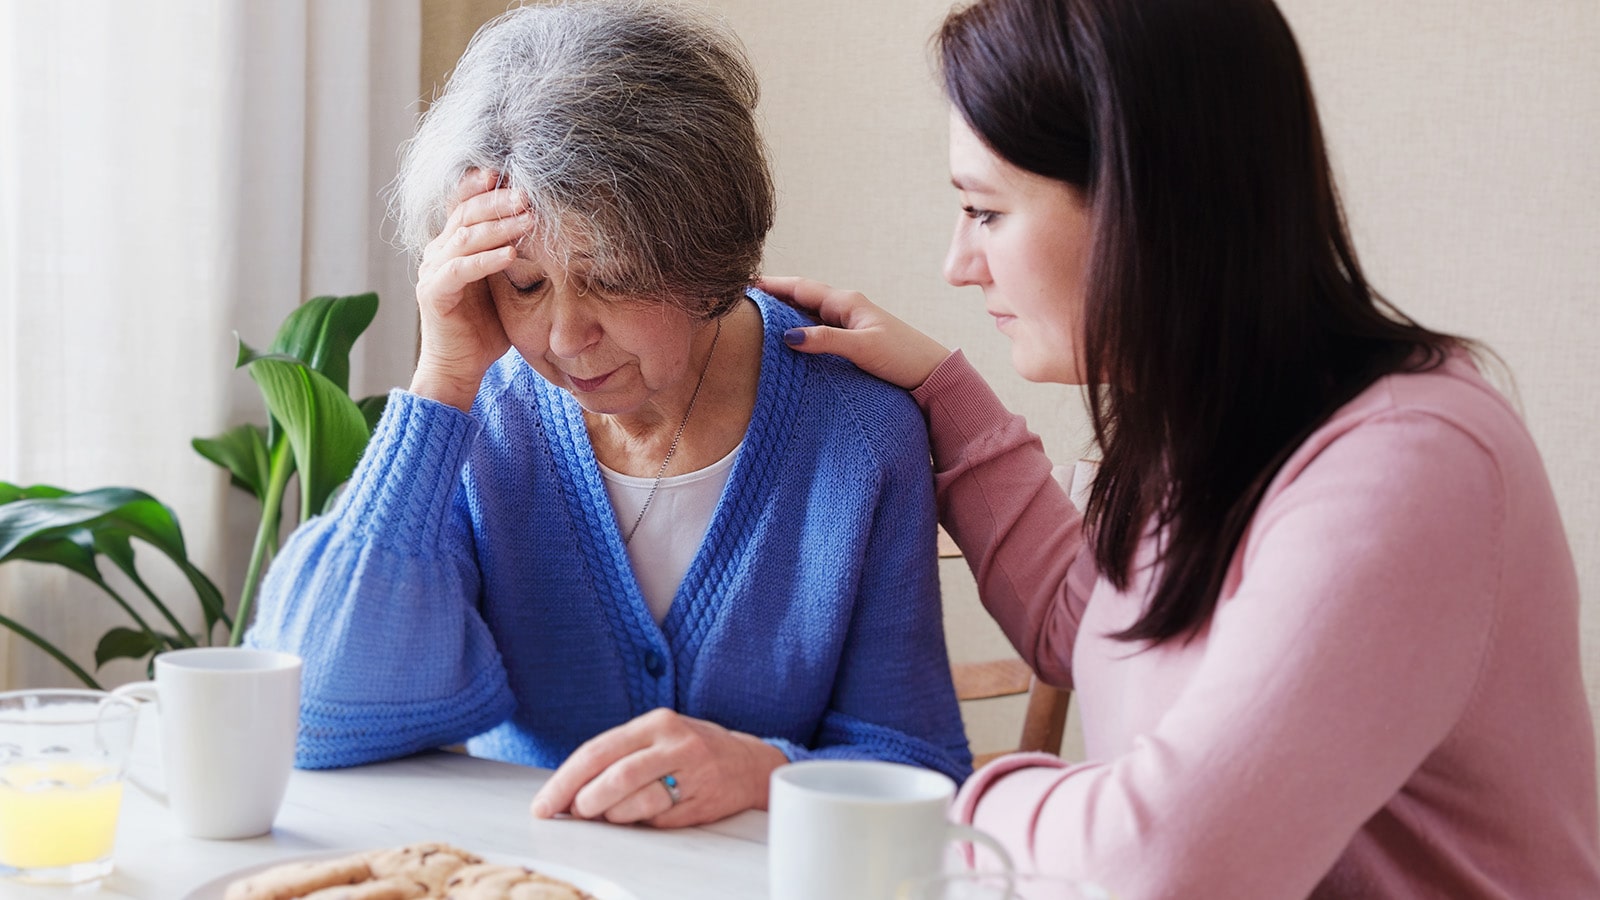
[{"x": 858, "y": 330}]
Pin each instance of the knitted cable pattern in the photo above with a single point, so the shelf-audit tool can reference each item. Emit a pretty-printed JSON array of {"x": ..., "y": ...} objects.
[
  {"x": 600, "y": 541},
  {"x": 714, "y": 571}
]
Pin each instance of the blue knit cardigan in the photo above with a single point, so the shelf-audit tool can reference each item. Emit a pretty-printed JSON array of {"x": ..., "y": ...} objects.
[{"x": 471, "y": 582}]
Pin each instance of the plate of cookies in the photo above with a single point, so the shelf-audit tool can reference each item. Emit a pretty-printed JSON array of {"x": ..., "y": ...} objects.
[{"x": 426, "y": 871}]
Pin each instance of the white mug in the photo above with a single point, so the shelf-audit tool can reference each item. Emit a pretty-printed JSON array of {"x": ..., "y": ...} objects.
[
  {"x": 858, "y": 829},
  {"x": 229, "y": 717}
]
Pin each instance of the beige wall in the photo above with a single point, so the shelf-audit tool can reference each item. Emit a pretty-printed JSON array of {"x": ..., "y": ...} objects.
[{"x": 1463, "y": 135}]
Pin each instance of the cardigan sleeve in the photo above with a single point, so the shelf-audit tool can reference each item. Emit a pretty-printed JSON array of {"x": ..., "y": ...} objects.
[
  {"x": 892, "y": 696},
  {"x": 1347, "y": 650},
  {"x": 379, "y": 597}
]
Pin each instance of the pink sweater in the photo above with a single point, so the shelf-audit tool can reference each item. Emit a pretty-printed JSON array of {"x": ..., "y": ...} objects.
[{"x": 1387, "y": 703}]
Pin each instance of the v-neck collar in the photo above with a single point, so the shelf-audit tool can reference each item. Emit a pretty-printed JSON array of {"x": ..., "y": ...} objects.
[{"x": 712, "y": 574}]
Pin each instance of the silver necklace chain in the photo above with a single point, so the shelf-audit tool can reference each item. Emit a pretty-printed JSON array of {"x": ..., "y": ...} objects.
[{"x": 704, "y": 368}]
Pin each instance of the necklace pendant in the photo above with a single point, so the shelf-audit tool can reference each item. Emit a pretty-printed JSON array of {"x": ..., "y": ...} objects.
[{"x": 705, "y": 367}]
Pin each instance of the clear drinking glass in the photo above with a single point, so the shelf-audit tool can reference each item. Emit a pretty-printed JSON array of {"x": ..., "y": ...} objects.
[
  {"x": 63, "y": 754},
  {"x": 1000, "y": 886}
]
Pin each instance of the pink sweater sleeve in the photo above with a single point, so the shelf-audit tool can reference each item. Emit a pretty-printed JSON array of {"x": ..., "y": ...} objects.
[
  {"x": 1017, "y": 528},
  {"x": 1349, "y": 640}
]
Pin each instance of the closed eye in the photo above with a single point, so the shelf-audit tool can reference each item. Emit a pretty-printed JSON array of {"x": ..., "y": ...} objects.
[{"x": 530, "y": 287}]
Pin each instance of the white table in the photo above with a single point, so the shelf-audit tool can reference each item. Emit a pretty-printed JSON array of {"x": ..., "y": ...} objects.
[{"x": 476, "y": 804}]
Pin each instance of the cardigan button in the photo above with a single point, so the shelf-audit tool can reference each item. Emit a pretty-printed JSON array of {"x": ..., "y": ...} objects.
[{"x": 654, "y": 664}]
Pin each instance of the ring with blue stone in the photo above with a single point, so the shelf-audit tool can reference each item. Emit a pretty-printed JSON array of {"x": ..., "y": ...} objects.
[{"x": 671, "y": 784}]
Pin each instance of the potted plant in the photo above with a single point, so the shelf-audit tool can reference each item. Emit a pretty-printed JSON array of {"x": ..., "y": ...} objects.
[{"x": 315, "y": 433}]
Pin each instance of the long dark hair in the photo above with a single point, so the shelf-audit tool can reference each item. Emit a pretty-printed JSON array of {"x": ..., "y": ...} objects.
[{"x": 1226, "y": 315}]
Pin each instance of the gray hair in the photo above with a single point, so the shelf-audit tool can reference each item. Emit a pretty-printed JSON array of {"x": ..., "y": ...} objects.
[{"x": 629, "y": 126}]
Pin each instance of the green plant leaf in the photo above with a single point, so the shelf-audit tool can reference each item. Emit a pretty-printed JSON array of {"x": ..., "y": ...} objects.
[
  {"x": 100, "y": 521},
  {"x": 74, "y": 550},
  {"x": 125, "y": 643},
  {"x": 320, "y": 333},
  {"x": 325, "y": 427},
  {"x": 248, "y": 355},
  {"x": 38, "y": 516},
  {"x": 211, "y": 602},
  {"x": 329, "y": 341},
  {"x": 242, "y": 450},
  {"x": 314, "y": 428},
  {"x": 10, "y": 492}
]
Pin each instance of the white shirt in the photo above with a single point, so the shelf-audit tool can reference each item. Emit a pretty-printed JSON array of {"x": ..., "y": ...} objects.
[{"x": 671, "y": 531}]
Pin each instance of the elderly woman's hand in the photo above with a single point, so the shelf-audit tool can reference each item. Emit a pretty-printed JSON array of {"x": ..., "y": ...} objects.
[
  {"x": 461, "y": 331},
  {"x": 621, "y": 775},
  {"x": 856, "y": 329}
]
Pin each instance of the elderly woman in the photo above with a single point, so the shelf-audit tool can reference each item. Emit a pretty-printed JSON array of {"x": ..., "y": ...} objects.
[{"x": 614, "y": 525}]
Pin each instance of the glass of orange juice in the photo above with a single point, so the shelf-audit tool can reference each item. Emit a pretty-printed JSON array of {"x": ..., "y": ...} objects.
[{"x": 63, "y": 754}]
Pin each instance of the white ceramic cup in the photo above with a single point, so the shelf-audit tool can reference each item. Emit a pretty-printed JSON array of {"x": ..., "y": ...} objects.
[
  {"x": 229, "y": 717},
  {"x": 858, "y": 829}
]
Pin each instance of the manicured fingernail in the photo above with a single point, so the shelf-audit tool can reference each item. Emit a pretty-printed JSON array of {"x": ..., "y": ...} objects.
[{"x": 794, "y": 337}]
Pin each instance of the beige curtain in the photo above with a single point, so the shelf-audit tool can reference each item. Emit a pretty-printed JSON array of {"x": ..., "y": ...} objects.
[{"x": 172, "y": 172}]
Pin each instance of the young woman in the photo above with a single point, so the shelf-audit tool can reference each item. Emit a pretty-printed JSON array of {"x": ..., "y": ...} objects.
[{"x": 1320, "y": 614}]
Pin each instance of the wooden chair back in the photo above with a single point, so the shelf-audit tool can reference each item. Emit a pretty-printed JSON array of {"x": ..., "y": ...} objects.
[{"x": 1046, "y": 718}]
